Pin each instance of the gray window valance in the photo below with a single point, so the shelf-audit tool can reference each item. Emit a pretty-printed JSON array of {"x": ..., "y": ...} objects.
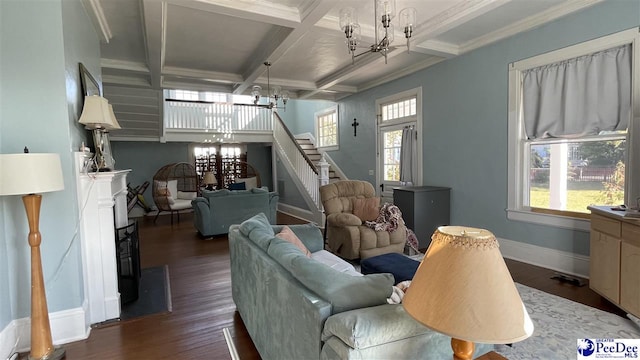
[{"x": 580, "y": 96}]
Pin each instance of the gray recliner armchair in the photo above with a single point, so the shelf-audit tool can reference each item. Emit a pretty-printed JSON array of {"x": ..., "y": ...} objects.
[{"x": 347, "y": 236}]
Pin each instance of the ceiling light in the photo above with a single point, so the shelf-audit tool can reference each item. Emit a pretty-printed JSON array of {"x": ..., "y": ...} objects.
[
  {"x": 273, "y": 95},
  {"x": 384, "y": 11}
]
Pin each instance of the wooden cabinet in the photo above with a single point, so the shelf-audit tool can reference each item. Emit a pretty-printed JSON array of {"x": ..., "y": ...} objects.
[
  {"x": 424, "y": 208},
  {"x": 614, "y": 264}
]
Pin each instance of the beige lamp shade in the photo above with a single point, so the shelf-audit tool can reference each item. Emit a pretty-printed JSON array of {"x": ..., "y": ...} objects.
[
  {"x": 463, "y": 289},
  {"x": 30, "y": 173},
  {"x": 97, "y": 113},
  {"x": 209, "y": 178}
]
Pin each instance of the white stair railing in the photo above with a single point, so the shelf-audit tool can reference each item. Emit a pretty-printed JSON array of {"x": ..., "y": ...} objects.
[{"x": 292, "y": 153}]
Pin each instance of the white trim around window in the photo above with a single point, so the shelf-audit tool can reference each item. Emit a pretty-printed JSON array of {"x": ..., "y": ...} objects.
[
  {"x": 331, "y": 133},
  {"x": 517, "y": 157}
]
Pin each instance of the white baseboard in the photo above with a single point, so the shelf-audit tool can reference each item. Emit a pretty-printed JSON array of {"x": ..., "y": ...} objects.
[
  {"x": 562, "y": 261},
  {"x": 66, "y": 326},
  {"x": 297, "y": 212}
]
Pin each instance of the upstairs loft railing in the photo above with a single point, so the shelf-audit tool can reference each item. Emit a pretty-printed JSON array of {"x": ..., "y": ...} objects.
[
  {"x": 197, "y": 115},
  {"x": 213, "y": 116}
]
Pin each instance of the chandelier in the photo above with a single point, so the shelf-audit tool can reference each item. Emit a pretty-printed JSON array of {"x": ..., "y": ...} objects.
[
  {"x": 384, "y": 11},
  {"x": 273, "y": 95}
]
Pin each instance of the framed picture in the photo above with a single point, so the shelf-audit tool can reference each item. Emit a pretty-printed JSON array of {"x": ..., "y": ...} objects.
[{"x": 89, "y": 84}]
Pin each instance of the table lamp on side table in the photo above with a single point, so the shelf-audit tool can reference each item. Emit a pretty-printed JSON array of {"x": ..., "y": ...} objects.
[
  {"x": 29, "y": 175},
  {"x": 464, "y": 290},
  {"x": 210, "y": 180}
]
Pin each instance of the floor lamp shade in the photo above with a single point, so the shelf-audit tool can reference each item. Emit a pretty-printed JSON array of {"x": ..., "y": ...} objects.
[
  {"x": 463, "y": 289},
  {"x": 30, "y": 173}
]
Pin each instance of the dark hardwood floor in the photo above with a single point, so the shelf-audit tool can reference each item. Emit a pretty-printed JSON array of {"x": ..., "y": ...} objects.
[{"x": 202, "y": 304}]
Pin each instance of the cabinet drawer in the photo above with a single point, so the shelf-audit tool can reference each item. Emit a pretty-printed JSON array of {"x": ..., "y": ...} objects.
[
  {"x": 631, "y": 234},
  {"x": 605, "y": 225}
]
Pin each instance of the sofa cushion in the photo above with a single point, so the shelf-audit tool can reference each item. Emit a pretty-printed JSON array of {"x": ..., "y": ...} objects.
[
  {"x": 291, "y": 237},
  {"x": 258, "y": 230},
  {"x": 172, "y": 186},
  {"x": 343, "y": 291},
  {"x": 367, "y": 209},
  {"x": 221, "y": 192},
  {"x": 372, "y": 326},
  {"x": 187, "y": 195},
  {"x": 332, "y": 261}
]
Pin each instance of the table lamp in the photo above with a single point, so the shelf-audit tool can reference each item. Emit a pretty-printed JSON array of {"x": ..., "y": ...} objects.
[
  {"x": 210, "y": 180},
  {"x": 29, "y": 175},
  {"x": 464, "y": 290},
  {"x": 98, "y": 116}
]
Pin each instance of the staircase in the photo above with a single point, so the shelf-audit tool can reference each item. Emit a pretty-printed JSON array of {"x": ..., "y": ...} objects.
[{"x": 306, "y": 142}]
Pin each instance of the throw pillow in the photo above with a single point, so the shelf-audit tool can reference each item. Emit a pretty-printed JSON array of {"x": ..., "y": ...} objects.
[
  {"x": 237, "y": 186},
  {"x": 366, "y": 209},
  {"x": 291, "y": 237},
  {"x": 172, "y": 186},
  {"x": 250, "y": 183}
]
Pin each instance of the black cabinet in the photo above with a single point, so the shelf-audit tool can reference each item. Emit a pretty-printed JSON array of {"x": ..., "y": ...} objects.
[{"x": 424, "y": 208}]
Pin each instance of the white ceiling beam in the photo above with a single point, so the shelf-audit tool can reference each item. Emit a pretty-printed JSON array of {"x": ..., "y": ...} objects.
[
  {"x": 313, "y": 13},
  {"x": 202, "y": 74},
  {"x": 100, "y": 23},
  {"x": 124, "y": 65},
  {"x": 154, "y": 19},
  {"x": 436, "y": 48},
  {"x": 125, "y": 80},
  {"x": 254, "y": 10},
  {"x": 454, "y": 16},
  {"x": 528, "y": 23},
  {"x": 185, "y": 85}
]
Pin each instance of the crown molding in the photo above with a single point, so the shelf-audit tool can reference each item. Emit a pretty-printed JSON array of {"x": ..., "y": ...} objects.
[
  {"x": 95, "y": 12},
  {"x": 529, "y": 23}
]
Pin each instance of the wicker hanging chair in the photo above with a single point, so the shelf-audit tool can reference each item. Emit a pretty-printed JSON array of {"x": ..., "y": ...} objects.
[{"x": 186, "y": 184}]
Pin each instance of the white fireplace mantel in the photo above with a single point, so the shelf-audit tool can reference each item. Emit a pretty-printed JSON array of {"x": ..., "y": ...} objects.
[{"x": 102, "y": 200}]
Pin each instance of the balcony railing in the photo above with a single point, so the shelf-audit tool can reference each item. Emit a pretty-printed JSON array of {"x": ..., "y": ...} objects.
[{"x": 215, "y": 116}]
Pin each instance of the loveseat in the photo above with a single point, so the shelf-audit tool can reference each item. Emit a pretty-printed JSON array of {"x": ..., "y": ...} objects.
[
  {"x": 296, "y": 307},
  {"x": 216, "y": 210}
]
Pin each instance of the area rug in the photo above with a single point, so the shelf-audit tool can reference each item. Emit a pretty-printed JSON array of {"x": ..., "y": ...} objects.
[
  {"x": 154, "y": 295},
  {"x": 559, "y": 323}
]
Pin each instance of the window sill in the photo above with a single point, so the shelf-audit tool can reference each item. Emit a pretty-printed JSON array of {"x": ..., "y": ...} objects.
[
  {"x": 564, "y": 222},
  {"x": 328, "y": 148}
]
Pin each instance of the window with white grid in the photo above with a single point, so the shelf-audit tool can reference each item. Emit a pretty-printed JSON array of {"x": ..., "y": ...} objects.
[
  {"x": 399, "y": 109},
  {"x": 327, "y": 129}
]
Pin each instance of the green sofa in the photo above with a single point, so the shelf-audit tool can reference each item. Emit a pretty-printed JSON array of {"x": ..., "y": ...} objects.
[
  {"x": 216, "y": 210},
  {"x": 296, "y": 307}
]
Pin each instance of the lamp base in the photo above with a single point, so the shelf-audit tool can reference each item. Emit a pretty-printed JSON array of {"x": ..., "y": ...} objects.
[
  {"x": 56, "y": 354},
  {"x": 462, "y": 350}
]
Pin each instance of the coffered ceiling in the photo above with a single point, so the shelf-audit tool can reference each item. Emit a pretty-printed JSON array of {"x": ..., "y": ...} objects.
[{"x": 221, "y": 45}]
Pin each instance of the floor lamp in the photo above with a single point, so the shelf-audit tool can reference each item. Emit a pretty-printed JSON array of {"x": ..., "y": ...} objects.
[
  {"x": 463, "y": 289},
  {"x": 29, "y": 175}
]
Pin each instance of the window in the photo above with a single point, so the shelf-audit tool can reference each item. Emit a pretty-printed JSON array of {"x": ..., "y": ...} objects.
[
  {"x": 399, "y": 122},
  {"x": 571, "y": 115},
  {"x": 327, "y": 129}
]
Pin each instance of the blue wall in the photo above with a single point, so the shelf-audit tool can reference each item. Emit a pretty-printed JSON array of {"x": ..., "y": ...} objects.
[
  {"x": 37, "y": 53},
  {"x": 465, "y": 123}
]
